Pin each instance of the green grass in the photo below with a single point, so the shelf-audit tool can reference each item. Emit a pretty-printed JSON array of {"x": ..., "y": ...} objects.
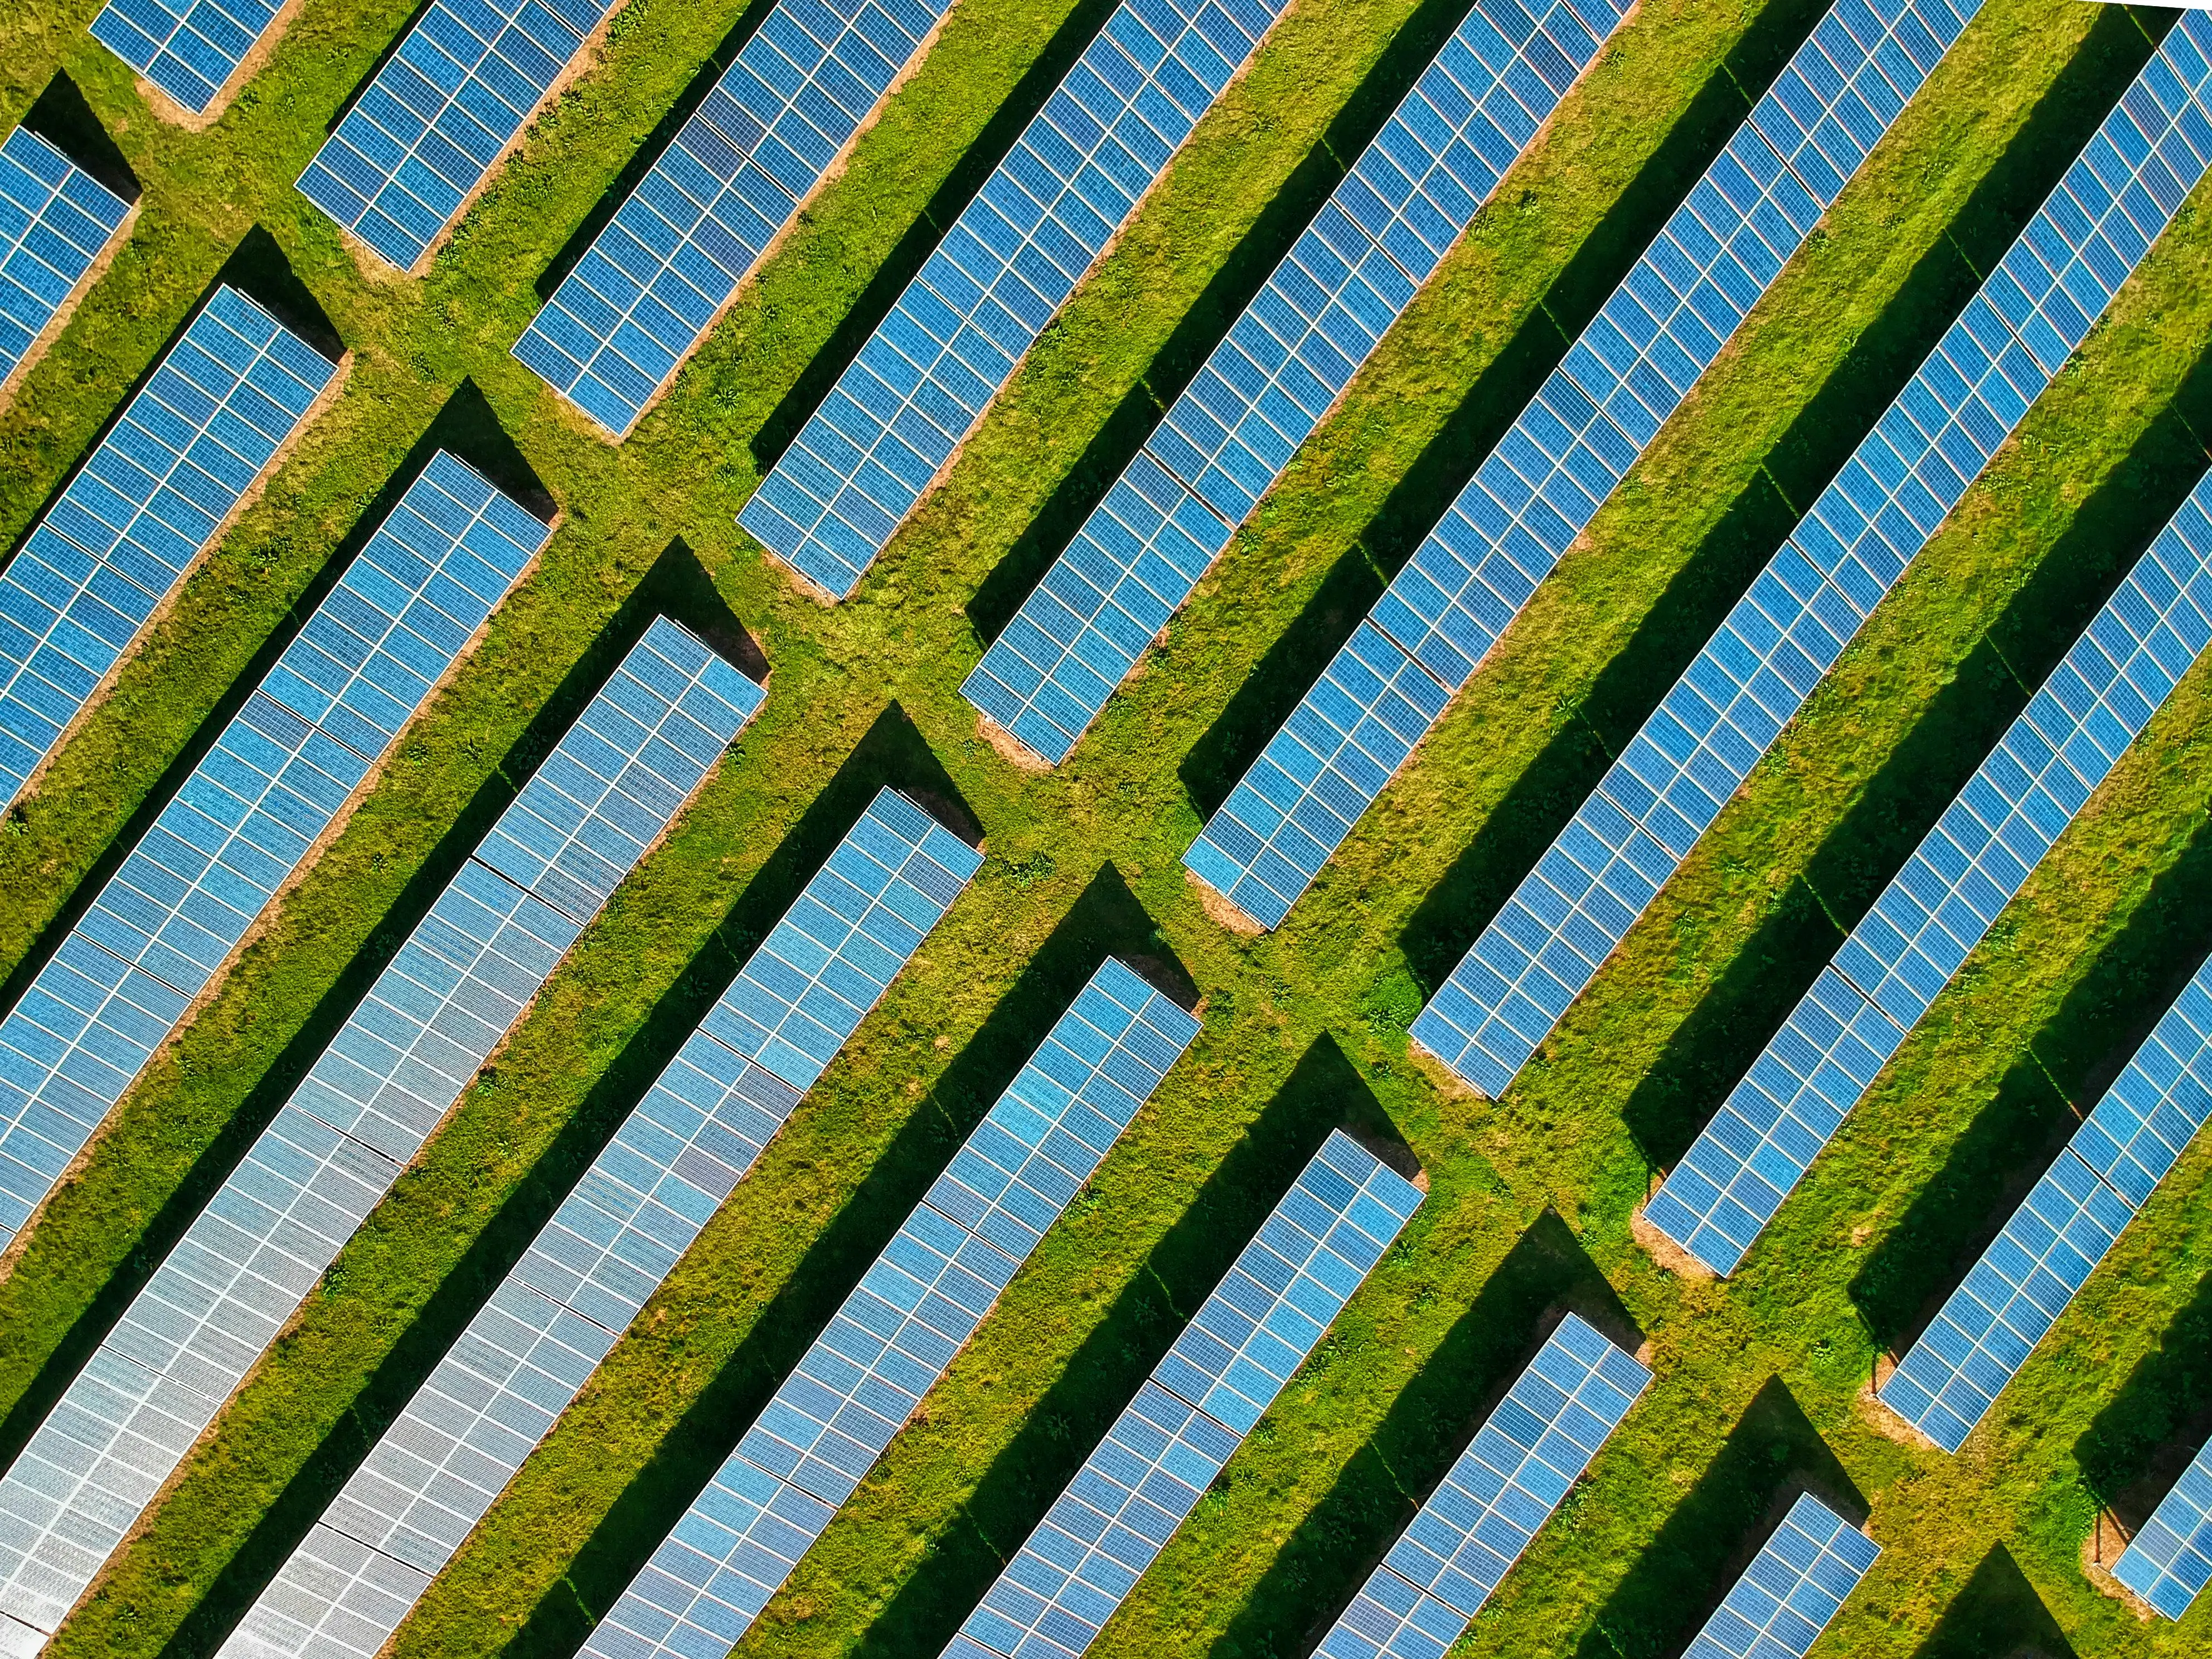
[{"x": 1758, "y": 1379}]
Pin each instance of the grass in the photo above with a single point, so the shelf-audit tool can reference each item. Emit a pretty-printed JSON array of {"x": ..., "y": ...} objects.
[{"x": 1530, "y": 1197}]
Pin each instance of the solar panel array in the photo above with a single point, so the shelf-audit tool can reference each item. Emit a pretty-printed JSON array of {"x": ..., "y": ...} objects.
[
  {"x": 149, "y": 501},
  {"x": 1015, "y": 254},
  {"x": 191, "y": 49},
  {"x": 899, "y": 1331},
  {"x": 1797, "y": 1582},
  {"x": 387, "y": 1080},
  {"x": 1524, "y": 1460},
  {"x": 1919, "y": 932},
  {"x": 439, "y": 115},
  {"x": 2169, "y": 1562},
  {"x": 1543, "y": 484},
  {"x": 2013, "y": 1296},
  {"x": 1751, "y": 677},
  {"x": 166, "y": 922},
  {"x": 1283, "y": 365},
  {"x": 55, "y": 221},
  {"x": 652, "y": 283},
  {"x": 500, "y": 1388},
  {"x": 1201, "y": 1399}
]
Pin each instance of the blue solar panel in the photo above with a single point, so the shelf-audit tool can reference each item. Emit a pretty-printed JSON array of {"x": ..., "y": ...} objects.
[
  {"x": 1544, "y": 483},
  {"x": 2013, "y": 1295},
  {"x": 652, "y": 282},
  {"x": 1726, "y": 711},
  {"x": 1922, "y": 928},
  {"x": 1283, "y": 365},
  {"x": 168, "y": 920},
  {"x": 55, "y": 222},
  {"x": 1016, "y": 252},
  {"x": 899, "y": 1331},
  {"x": 443, "y": 110},
  {"x": 1145, "y": 1478},
  {"x": 2169, "y": 1562},
  {"x": 1524, "y": 1460},
  {"x": 151, "y": 498},
  {"x": 191, "y": 50},
  {"x": 386, "y": 1082},
  {"x": 589, "y": 1272},
  {"x": 1795, "y": 1584}
]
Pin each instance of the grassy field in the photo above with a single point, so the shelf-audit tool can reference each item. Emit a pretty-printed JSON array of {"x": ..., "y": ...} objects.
[{"x": 1759, "y": 1380}]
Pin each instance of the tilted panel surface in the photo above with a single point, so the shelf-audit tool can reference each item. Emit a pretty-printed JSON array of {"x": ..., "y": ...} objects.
[
  {"x": 2010, "y": 1298},
  {"x": 1930, "y": 917},
  {"x": 1524, "y": 1460},
  {"x": 440, "y": 114},
  {"x": 1381, "y": 235},
  {"x": 899, "y": 1330},
  {"x": 56, "y": 220},
  {"x": 165, "y": 923},
  {"x": 498, "y": 1391},
  {"x": 1543, "y": 484},
  {"x": 1783, "y": 636},
  {"x": 1796, "y": 1584},
  {"x": 646, "y": 291},
  {"x": 399, "y": 1065},
  {"x": 1016, "y": 252},
  {"x": 2169, "y": 1562},
  {"x": 189, "y": 48},
  {"x": 1224, "y": 1369},
  {"x": 147, "y": 503}
]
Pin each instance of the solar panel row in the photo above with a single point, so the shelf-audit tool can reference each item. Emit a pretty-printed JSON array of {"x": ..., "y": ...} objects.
[
  {"x": 1795, "y": 1584},
  {"x": 1524, "y": 1460},
  {"x": 652, "y": 283},
  {"x": 441, "y": 111},
  {"x": 1750, "y": 679},
  {"x": 386, "y": 1082},
  {"x": 899, "y": 1331},
  {"x": 151, "y": 498},
  {"x": 55, "y": 222},
  {"x": 163, "y": 926},
  {"x": 498, "y": 1392},
  {"x": 191, "y": 49},
  {"x": 1283, "y": 365},
  {"x": 1935, "y": 911},
  {"x": 2169, "y": 1562},
  {"x": 2011, "y": 1298},
  {"x": 1543, "y": 484},
  {"x": 1223, "y": 1372},
  {"x": 1015, "y": 254}
]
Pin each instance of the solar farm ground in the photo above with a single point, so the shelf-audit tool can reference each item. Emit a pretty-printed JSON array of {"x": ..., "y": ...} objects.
[{"x": 1759, "y": 1380}]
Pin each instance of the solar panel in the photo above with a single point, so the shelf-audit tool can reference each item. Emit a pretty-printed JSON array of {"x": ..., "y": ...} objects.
[
  {"x": 1244, "y": 1345},
  {"x": 386, "y": 1082},
  {"x": 2013, "y": 1296},
  {"x": 1543, "y": 484},
  {"x": 192, "y": 50},
  {"x": 1922, "y": 928},
  {"x": 152, "y": 496},
  {"x": 500, "y": 1388},
  {"x": 1795, "y": 1584},
  {"x": 56, "y": 222},
  {"x": 733, "y": 179},
  {"x": 1382, "y": 231},
  {"x": 166, "y": 921},
  {"x": 1047, "y": 212},
  {"x": 1751, "y": 677},
  {"x": 1524, "y": 1460},
  {"x": 897, "y": 1332},
  {"x": 2169, "y": 1561},
  {"x": 442, "y": 112}
]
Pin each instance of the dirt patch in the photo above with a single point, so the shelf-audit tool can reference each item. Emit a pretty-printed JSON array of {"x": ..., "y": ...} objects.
[
  {"x": 1011, "y": 749},
  {"x": 169, "y": 109},
  {"x": 1665, "y": 1252}
]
